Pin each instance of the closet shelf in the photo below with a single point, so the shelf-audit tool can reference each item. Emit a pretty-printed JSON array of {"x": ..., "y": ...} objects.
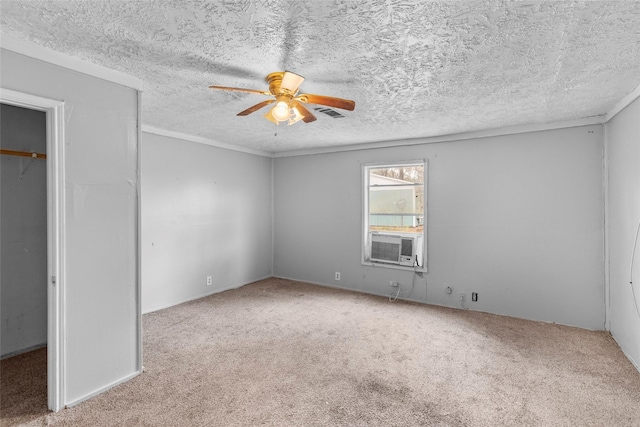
[{"x": 23, "y": 154}]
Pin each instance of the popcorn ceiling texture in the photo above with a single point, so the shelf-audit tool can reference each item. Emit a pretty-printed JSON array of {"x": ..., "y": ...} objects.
[{"x": 414, "y": 68}]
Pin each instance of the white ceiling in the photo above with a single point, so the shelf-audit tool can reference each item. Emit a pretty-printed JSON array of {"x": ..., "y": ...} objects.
[{"x": 415, "y": 68}]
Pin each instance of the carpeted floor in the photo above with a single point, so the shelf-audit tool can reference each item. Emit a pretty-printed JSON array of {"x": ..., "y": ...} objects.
[
  {"x": 285, "y": 353},
  {"x": 23, "y": 387}
]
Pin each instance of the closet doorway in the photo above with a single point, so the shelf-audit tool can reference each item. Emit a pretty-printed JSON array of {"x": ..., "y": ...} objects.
[{"x": 31, "y": 280}]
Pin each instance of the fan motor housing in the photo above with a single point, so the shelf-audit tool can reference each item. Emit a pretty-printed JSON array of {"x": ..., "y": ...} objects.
[{"x": 275, "y": 80}]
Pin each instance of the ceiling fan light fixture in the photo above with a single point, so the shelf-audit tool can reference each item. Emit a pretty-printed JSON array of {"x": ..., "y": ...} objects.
[
  {"x": 289, "y": 105},
  {"x": 290, "y": 82},
  {"x": 281, "y": 111},
  {"x": 295, "y": 116}
]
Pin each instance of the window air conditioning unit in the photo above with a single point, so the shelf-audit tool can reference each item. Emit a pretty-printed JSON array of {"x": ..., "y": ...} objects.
[{"x": 396, "y": 249}]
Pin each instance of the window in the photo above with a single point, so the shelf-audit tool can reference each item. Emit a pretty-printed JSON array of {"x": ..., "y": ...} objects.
[{"x": 394, "y": 215}]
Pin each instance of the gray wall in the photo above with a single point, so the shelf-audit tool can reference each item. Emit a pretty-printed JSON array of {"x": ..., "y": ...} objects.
[
  {"x": 100, "y": 233},
  {"x": 206, "y": 211},
  {"x": 23, "y": 222},
  {"x": 518, "y": 219},
  {"x": 623, "y": 148}
]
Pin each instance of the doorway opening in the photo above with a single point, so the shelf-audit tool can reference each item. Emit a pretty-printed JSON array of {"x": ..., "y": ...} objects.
[
  {"x": 23, "y": 250},
  {"x": 32, "y": 279}
]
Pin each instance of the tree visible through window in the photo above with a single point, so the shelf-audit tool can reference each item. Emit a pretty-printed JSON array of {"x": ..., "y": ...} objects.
[{"x": 394, "y": 214}]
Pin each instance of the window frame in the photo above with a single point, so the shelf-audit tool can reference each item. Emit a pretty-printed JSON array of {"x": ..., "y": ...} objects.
[{"x": 365, "y": 243}]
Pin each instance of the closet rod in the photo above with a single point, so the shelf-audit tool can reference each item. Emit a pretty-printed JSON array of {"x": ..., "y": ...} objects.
[{"x": 23, "y": 154}]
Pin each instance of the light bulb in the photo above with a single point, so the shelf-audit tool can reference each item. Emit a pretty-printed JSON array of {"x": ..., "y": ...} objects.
[{"x": 281, "y": 111}]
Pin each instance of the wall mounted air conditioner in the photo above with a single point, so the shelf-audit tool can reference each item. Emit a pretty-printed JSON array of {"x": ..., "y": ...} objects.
[{"x": 396, "y": 249}]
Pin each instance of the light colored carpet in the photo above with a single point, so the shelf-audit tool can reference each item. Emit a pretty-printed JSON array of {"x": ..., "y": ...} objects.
[
  {"x": 23, "y": 387},
  {"x": 285, "y": 353}
]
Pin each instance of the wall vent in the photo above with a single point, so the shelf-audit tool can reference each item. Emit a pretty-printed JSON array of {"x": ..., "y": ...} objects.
[{"x": 329, "y": 112}]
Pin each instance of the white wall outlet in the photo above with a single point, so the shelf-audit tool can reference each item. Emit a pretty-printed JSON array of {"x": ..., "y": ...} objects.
[
  {"x": 209, "y": 281},
  {"x": 393, "y": 284},
  {"x": 448, "y": 290},
  {"x": 337, "y": 275}
]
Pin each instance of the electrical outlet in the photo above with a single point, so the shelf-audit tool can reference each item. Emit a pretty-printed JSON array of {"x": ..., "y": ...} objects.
[
  {"x": 393, "y": 284},
  {"x": 337, "y": 275},
  {"x": 463, "y": 297},
  {"x": 448, "y": 290},
  {"x": 209, "y": 281},
  {"x": 474, "y": 296}
]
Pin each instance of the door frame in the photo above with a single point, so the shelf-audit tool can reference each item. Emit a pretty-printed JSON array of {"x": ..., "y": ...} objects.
[{"x": 54, "y": 110}]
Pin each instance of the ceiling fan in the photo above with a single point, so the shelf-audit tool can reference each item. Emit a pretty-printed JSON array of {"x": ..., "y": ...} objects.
[{"x": 283, "y": 87}]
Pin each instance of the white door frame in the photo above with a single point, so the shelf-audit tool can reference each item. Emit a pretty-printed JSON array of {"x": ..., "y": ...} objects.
[{"x": 55, "y": 237}]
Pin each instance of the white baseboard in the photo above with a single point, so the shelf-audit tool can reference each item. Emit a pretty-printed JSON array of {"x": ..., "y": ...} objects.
[
  {"x": 102, "y": 389},
  {"x": 633, "y": 362},
  {"x": 23, "y": 350},
  {"x": 325, "y": 285},
  {"x": 213, "y": 292}
]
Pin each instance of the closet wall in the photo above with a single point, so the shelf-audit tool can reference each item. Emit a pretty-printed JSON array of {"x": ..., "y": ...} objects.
[{"x": 23, "y": 219}]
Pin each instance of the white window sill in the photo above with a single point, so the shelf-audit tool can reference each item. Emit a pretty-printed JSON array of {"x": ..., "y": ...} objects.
[{"x": 394, "y": 266}]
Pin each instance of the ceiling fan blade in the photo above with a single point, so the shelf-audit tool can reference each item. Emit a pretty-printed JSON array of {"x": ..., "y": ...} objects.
[
  {"x": 239, "y": 89},
  {"x": 307, "y": 117},
  {"x": 255, "y": 107},
  {"x": 329, "y": 101},
  {"x": 291, "y": 82}
]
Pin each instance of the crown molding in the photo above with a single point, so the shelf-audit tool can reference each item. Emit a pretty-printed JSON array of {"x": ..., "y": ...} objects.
[
  {"x": 624, "y": 102},
  {"x": 45, "y": 54},
  {"x": 511, "y": 130},
  {"x": 202, "y": 140}
]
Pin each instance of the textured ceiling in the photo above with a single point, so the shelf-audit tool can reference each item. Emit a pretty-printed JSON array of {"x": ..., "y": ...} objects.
[{"x": 414, "y": 68}]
